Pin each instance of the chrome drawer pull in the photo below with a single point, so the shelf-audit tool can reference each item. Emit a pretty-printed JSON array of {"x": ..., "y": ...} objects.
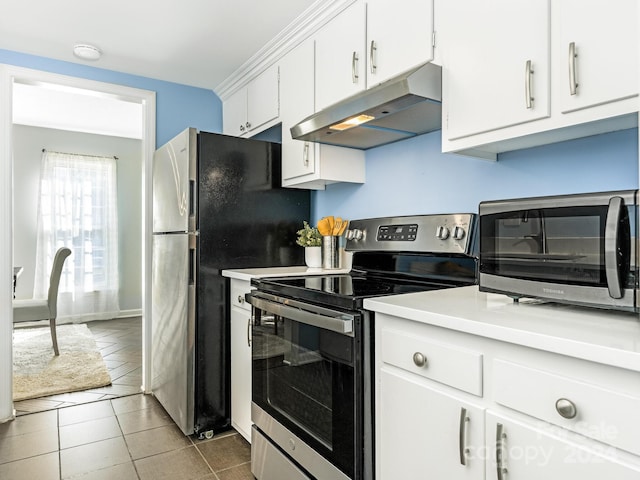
[
  {"x": 354, "y": 67},
  {"x": 566, "y": 408},
  {"x": 501, "y": 440},
  {"x": 419, "y": 359},
  {"x": 527, "y": 84},
  {"x": 462, "y": 436},
  {"x": 372, "y": 60},
  {"x": 573, "y": 85}
]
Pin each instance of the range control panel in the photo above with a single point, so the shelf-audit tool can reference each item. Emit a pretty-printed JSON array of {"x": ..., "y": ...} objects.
[
  {"x": 398, "y": 233},
  {"x": 448, "y": 233}
]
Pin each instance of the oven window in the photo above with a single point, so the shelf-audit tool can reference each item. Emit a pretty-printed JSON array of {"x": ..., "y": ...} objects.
[
  {"x": 560, "y": 245},
  {"x": 303, "y": 376}
]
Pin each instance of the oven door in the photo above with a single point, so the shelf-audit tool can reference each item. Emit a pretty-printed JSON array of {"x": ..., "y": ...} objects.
[
  {"x": 307, "y": 384},
  {"x": 575, "y": 250}
]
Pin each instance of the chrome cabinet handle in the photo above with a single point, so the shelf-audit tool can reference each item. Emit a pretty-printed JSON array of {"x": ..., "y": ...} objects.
[
  {"x": 354, "y": 68},
  {"x": 249, "y": 332},
  {"x": 566, "y": 408},
  {"x": 419, "y": 359},
  {"x": 305, "y": 154},
  {"x": 240, "y": 299},
  {"x": 462, "y": 436},
  {"x": 372, "y": 61},
  {"x": 501, "y": 440},
  {"x": 610, "y": 247},
  {"x": 527, "y": 84},
  {"x": 242, "y": 128},
  {"x": 248, "y": 125},
  {"x": 573, "y": 85}
]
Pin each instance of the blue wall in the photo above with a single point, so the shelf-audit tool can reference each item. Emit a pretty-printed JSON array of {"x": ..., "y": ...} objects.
[
  {"x": 177, "y": 106},
  {"x": 408, "y": 177},
  {"x": 414, "y": 177}
]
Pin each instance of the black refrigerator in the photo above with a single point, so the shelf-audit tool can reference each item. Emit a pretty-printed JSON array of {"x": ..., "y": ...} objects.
[{"x": 217, "y": 204}]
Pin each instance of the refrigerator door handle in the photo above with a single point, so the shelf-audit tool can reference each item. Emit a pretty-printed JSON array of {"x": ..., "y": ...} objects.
[{"x": 192, "y": 205}]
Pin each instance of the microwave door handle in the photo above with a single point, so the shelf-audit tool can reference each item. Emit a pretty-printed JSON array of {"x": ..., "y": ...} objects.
[{"x": 611, "y": 247}]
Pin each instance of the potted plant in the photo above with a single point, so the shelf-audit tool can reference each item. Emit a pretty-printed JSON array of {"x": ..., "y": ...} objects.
[{"x": 311, "y": 240}]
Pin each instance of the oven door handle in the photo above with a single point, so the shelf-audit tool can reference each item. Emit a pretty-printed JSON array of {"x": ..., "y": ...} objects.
[
  {"x": 340, "y": 323},
  {"x": 611, "y": 247}
]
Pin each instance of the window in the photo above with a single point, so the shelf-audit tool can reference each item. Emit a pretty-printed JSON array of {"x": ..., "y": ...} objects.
[{"x": 78, "y": 209}]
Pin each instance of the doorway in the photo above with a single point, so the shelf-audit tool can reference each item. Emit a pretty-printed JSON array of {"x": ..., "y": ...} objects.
[{"x": 13, "y": 77}]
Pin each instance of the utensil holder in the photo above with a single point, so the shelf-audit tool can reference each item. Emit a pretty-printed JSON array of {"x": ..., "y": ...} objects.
[{"x": 331, "y": 257}]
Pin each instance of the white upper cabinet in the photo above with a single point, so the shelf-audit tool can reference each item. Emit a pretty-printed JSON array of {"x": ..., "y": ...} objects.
[
  {"x": 340, "y": 56},
  {"x": 306, "y": 164},
  {"x": 596, "y": 55},
  {"x": 296, "y": 80},
  {"x": 367, "y": 44},
  {"x": 496, "y": 64},
  {"x": 399, "y": 37},
  {"x": 582, "y": 78},
  {"x": 253, "y": 107}
]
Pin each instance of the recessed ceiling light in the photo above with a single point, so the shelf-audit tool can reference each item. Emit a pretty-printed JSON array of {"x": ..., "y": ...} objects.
[{"x": 87, "y": 52}]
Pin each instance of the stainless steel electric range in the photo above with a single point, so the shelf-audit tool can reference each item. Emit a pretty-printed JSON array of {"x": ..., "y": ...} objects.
[{"x": 312, "y": 350}]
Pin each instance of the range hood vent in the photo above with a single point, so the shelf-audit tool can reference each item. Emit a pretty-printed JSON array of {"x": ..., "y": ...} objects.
[{"x": 399, "y": 108}]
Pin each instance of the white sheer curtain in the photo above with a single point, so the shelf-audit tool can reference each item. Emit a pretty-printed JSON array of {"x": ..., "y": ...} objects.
[{"x": 78, "y": 209}]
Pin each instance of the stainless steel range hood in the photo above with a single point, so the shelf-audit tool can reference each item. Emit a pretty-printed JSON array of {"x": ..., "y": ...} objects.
[{"x": 400, "y": 108}]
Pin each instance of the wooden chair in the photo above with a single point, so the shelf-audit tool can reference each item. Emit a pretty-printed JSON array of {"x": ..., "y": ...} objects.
[{"x": 33, "y": 309}]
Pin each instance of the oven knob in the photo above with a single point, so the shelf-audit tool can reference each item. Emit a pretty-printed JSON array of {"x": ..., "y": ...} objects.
[
  {"x": 357, "y": 234},
  {"x": 458, "y": 233},
  {"x": 442, "y": 232}
]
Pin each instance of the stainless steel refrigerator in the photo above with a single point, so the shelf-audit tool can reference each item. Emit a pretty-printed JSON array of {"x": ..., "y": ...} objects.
[{"x": 217, "y": 204}]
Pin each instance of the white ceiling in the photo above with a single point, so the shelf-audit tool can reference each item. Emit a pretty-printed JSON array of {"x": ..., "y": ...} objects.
[
  {"x": 192, "y": 42},
  {"x": 64, "y": 108}
]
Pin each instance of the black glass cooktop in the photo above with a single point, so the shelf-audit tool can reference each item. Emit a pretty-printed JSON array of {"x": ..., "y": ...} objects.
[
  {"x": 375, "y": 274},
  {"x": 342, "y": 291}
]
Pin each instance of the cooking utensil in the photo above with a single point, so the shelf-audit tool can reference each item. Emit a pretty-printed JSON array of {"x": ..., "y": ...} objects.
[{"x": 324, "y": 227}]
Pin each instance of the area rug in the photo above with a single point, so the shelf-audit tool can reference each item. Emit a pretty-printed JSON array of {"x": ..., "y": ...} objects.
[{"x": 37, "y": 372}]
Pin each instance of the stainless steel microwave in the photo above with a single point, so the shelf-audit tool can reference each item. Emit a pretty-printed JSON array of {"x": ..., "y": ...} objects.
[{"x": 578, "y": 249}]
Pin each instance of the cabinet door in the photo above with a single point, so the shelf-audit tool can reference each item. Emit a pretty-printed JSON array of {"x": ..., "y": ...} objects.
[
  {"x": 240, "y": 359},
  {"x": 263, "y": 98},
  {"x": 598, "y": 44},
  {"x": 496, "y": 64},
  {"x": 396, "y": 46},
  {"x": 234, "y": 113},
  {"x": 340, "y": 56},
  {"x": 421, "y": 432},
  {"x": 296, "y": 81},
  {"x": 529, "y": 452}
]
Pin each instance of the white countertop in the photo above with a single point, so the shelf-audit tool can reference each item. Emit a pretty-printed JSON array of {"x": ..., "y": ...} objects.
[
  {"x": 603, "y": 336},
  {"x": 249, "y": 273}
]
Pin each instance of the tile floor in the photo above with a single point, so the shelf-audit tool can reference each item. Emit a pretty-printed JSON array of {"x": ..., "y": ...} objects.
[
  {"x": 113, "y": 432},
  {"x": 122, "y": 438}
]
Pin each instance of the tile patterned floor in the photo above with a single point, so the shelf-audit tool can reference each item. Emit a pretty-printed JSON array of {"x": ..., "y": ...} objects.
[
  {"x": 122, "y": 438},
  {"x": 113, "y": 432}
]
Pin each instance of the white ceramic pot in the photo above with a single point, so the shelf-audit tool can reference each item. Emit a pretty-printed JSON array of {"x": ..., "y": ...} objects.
[{"x": 313, "y": 257}]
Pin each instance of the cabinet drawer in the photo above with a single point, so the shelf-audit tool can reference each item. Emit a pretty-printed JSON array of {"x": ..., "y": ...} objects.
[
  {"x": 603, "y": 414},
  {"x": 238, "y": 289},
  {"x": 444, "y": 363}
]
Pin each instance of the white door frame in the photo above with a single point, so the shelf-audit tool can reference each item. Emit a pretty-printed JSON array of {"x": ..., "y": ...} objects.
[{"x": 9, "y": 74}]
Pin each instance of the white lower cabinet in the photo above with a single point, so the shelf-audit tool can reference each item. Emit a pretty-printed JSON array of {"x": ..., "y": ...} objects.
[
  {"x": 425, "y": 433},
  {"x": 240, "y": 358},
  {"x": 455, "y": 405},
  {"x": 522, "y": 450}
]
